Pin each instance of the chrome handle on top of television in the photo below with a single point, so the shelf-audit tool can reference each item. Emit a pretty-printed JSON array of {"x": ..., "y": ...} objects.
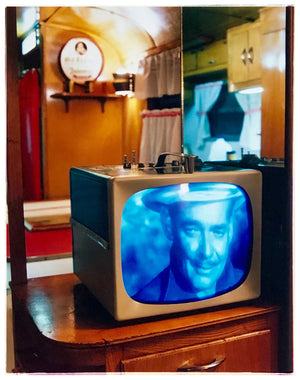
[
  {"x": 187, "y": 160},
  {"x": 214, "y": 364}
]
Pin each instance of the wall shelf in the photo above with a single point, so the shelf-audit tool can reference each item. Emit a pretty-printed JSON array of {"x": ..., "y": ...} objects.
[{"x": 68, "y": 96}]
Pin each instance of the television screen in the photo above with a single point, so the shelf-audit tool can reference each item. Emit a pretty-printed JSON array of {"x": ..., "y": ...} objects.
[{"x": 185, "y": 242}]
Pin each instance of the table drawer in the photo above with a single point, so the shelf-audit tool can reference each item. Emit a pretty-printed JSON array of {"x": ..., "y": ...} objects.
[{"x": 244, "y": 353}]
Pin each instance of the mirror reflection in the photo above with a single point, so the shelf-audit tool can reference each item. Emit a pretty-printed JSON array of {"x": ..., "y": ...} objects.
[{"x": 233, "y": 74}]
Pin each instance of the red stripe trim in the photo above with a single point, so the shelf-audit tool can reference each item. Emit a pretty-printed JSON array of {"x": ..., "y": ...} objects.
[
  {"x": 161, "y": 114},
  {"x": 253, "y": 110}
]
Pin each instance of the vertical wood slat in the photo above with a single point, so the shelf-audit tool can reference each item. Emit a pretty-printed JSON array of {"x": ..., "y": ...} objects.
[
  {"x": 289, "y": 137},
  {"x": 14, "y": 163}
]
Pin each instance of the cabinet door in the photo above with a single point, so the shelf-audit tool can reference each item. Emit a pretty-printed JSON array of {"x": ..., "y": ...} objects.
[
  {"x": 253, "y": 52},
  {"x": 213, "y": 57},
  {"x": 244, "y": 63},
  {"x": 237, "y": 41},
  {"x": 189, "y": 62},
  {"x": 244, "y": 353}
]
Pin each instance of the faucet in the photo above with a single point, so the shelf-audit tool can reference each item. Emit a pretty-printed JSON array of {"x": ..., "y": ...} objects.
[{"x": 187, "y": 161}]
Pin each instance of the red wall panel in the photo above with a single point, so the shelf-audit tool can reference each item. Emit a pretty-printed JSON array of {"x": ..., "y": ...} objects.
[{"x": 30, "y": 100}]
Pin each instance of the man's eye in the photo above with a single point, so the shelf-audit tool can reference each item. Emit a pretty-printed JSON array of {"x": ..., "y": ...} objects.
[
  {"x": 219, "y": 232},
  {"x": 191, "y": 230}
]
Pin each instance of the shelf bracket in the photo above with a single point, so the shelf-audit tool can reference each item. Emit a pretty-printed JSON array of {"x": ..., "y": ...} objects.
[
  {"x": 67, "y": 97},
  {"x": 102, "y": 102}
]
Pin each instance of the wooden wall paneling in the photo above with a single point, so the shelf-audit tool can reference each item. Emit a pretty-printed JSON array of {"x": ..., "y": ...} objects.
[
  {"x": 132, "y": 126},
  {"x": 273, "y": 82},
  {"x": 85, "y": 135}
]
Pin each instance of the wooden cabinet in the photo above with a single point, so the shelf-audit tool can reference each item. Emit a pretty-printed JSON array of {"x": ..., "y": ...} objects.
[
  {"x": 244, "y": 62},
  {"x": 212, "y": 58},
  {"x": 210, "y": 63},
  {"x": 273, "y": 81},
  {"x": 60, "y": 327}
]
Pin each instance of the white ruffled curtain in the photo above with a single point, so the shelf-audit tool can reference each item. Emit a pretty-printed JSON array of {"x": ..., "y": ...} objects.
[
  {"x": 251, "y": 132},
  {"x": 159, "y": 75},
  {"x": 196, "y": 122},
  {"x": 161, "y": 133}
]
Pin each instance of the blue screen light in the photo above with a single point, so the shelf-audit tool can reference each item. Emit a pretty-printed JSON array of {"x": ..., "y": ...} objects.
[{"x": 186, "y": 242}]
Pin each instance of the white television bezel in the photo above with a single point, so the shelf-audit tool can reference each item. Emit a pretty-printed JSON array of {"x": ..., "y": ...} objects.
[{"x": 121, "y": 305}]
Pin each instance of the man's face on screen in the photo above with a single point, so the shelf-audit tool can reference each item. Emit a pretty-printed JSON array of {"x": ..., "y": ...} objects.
[{"x": 201, "y": 236}]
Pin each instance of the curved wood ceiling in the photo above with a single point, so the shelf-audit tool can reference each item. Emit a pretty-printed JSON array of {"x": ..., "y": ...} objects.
[{"x": 132, "y": 31}]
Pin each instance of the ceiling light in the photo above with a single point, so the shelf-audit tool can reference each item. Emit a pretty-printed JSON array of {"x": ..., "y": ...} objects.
[{"x": 251, "y": 90}]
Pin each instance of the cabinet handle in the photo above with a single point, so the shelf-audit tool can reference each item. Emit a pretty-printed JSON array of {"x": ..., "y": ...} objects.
[
  {"x": 250, "y": 55},
  {"x": 186, "y": 367},
  {"x": 244, "y": 56}
]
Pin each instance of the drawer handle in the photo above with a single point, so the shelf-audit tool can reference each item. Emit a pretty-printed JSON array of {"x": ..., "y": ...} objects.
[{"x": 186, "y": 367}]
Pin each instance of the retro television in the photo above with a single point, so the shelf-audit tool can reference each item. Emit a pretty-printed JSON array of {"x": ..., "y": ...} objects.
[{"x": 147, "y": 243}]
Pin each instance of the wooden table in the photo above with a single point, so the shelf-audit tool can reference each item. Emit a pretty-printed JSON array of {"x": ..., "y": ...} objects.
[{"x": 61, "y": 327}]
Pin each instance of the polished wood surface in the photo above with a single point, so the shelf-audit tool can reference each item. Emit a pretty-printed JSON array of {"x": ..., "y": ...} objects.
[
  {"x": 273, "y": 82},
  {"x": 253, "y": 350},
  {"x": 64, "y": 326},
  {"x": 55, "y": 302}
]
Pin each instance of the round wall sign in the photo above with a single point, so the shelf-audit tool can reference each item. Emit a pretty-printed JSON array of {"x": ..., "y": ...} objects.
[{"x": 81, "y": 60}]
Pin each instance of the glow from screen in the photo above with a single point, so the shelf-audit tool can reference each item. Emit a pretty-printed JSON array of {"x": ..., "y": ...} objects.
[{"x": 186, "y": 242}]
